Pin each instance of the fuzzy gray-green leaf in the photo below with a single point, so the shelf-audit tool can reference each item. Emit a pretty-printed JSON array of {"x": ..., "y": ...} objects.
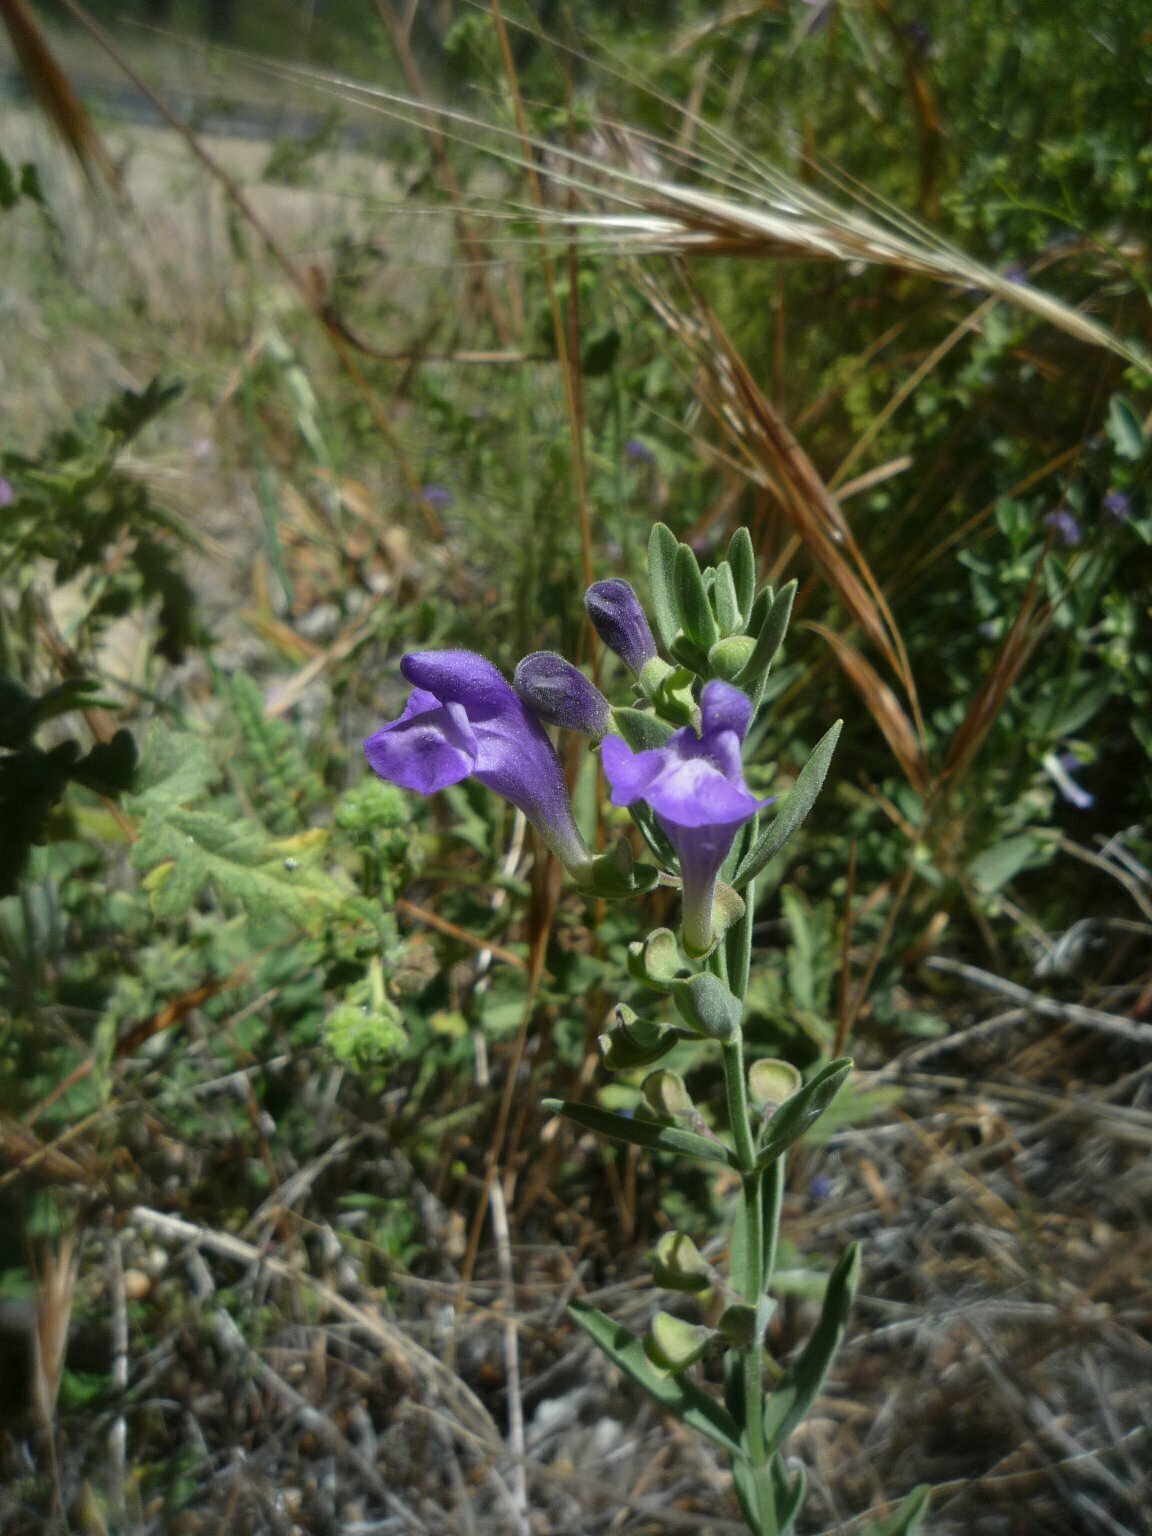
[
  {"x": 642, "y": 1133},
  {"x": 788, "y": 819}
]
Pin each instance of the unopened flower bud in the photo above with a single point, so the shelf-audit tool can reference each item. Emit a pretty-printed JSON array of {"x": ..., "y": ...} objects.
[
  {"x": 619, "y": 620},
  {"x": 729, "y": 657},
  {"x": 559, "y": 694}
]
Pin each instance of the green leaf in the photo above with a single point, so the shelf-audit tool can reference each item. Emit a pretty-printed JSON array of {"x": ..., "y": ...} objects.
[
  {"x": 801, "y": 1382},
  {"x": 696, "y": 617},
  {"x": 991, "y": 870},
  {"x": 174, "y": 770},
  {"x": 642, "y": 1133},
  {"x": 1124, "y": 428},
  {"x": 787, "y": 821},
  {"x": 184, "y": 851},
  {"x": 906, "y": 1518},
  {"x": 742, "y": 559},
  {"x": 796, "y": 1114},
  {"x": 724, "y": 600},
  {"x": 770, "y": 637},
  {"x": 662, "y": 547},
  {"x": 686, "y": 1401},
  {"x": 641, "y": 730}
]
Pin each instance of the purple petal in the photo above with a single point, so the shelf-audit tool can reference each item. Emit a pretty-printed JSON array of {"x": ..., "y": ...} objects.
[
  {"x": 7, "y": 494},
  {"x": 724, "y": 708},
  {"x": 428, "y": 748}
]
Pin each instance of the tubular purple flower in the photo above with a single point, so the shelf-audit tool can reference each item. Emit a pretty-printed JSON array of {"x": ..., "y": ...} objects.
[
  {"x": 559, "y": 694},
  {"x": 695, "y": 784},
  {"x": 618, "y": 619},
  {"x": 463, "y": 719}
]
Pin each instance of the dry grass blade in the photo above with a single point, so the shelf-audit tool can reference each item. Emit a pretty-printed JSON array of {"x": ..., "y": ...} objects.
[
  {"x": 727, "y": 389},
  {"x": 884, "y": 707},
  {"x": 54, "y": 1291},
  {"x": 55, "y": 95}
]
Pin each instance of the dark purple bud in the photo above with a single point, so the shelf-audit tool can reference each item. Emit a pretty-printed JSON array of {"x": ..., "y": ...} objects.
[
  {"x": 1064, "y": 526},
  {"x": 618, "y": 619},
  {"x": 559, "y": 694},
  {"x": 438, "y": 496},
  {"x": 1117, "y": 506},
  {"x": 7, "y": 494}
]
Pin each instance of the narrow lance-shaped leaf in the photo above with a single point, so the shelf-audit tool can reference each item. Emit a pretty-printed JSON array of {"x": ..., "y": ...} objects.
[
  {"x": 696, "y": 616},
  {"x": 801, "y": 1382},
  {"x": 788, "y": 820},
  {"x": 725, "y": 601},
  {"x": 796, "y": 1114},
  {"x": 742, "y": 559},
  {"x": 641, "y": 1133},
  {"x": 689, "y": 1403},
  {"x": 662, "y": 547},
  {"x": 906, "y": 1518},
  {"x": 771, "y": 635}
]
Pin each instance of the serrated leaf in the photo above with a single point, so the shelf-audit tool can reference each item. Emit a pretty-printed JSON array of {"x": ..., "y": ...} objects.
[
  {"x": 795, "y": 807},
  {"x": 800, "y": 1384},
  {"x": 770, "y": 636},
  {"x": 682, "y": 1398},
  {"x": 742, "y": 559},
  {"x": 184, "y": 851},
  {"x": 641, "y": 730},
  {"x": 796, "y": 1114},
  {"x": 642, "y": 1133},
  {"x": 662, "y": 547},
  {"x": 693, "y": 607},
  {"x": 174, "y": 769},
  {"x": 906, "y": 1518}
]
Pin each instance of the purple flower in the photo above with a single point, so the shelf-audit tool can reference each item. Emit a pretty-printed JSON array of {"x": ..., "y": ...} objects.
[
  {"x": 7, "y": 494},
  {"x": 438, "y": 496},
  {"x": 463, "y": 719},
  {"x": 695, "y": 784},
  {"x": 638, "y": 452},
  {"x": 1060, "y": 769},
  {"x": 1117, "y": 506},
  {"x": 557, "y": 693},
  {"x": 618, "y": 619},
  {"x": 820, "y": 1187},
  {"x": 1065, "y": 528}
]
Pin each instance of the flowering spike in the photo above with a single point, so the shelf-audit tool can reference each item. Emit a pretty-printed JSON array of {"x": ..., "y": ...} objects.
[
  {"x": 559, "y": 694},
  {"x": 463, "y": 719},
  {"x": 619, "y": 620}
]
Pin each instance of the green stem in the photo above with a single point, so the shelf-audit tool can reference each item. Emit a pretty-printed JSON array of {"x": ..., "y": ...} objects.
[{"x": 751, "y": 1282}]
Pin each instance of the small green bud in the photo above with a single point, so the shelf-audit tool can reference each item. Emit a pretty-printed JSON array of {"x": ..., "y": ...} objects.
[
  {"x": 615, "y": 874},
  {"x": 654, "y": 961},
  {"x": 673, "y": 1345},
  {"x": 770, "y": 1082},
  {"x": 631, "y": 1042},
  {"x": 707, "y": 1007},
  {"x": 666, "y": 1096},
  {"x": 728, "y": 658},
  {"x": 678, "y": 1265}
]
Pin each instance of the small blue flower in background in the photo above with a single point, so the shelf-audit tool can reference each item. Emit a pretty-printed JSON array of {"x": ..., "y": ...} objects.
[
  {"x": 559, "y": 694},
  {"x": 463, "y": 719},
  {"x": 7, "y": 494},
  {"x": 1064, "y": 526},
  {"x": 695, "y": 784},
  {"x": 619, "y": 620},
  {"x": 820, "y": 1187},
  {"x": 637, "y": 452},
  {"x": 1117, "y": 506},
  {"x": 438, "y": 496},
  {"x": 1060, "y": 770}
]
